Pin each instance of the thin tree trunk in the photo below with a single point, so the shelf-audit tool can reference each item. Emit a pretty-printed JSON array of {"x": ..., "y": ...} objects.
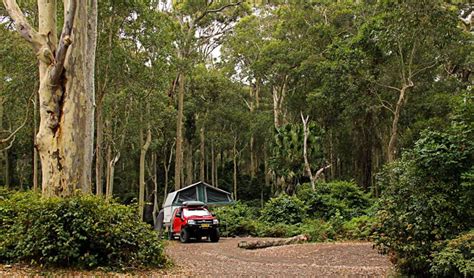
[
  {"x": 166, "y": 179},
  {"x": 305, "y": 151},
  {"x": 213, "y": 165},
  {"x": 179, "y": 134},
  {"x": 155, "y": 188},
  {"x": 189, "y": 161},
  {"x": 234, "y": 150},
  {"x": 35, "y": 152},
  {"x": 202, "y": 160},
  {"x": 112, "y": 175},
  {"x": 167, "y": 170},
  {"x": 108, "y": 159},
  {"x": 141, "y": 192},
  {"x": 98, "y": 150},
  {"x": 392, "y": 145},
  {"x": 216, "y": 174}
]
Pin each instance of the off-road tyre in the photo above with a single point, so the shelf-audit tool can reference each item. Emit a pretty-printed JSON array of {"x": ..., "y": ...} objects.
[
  {"x": 185, "y": 235},
  {"x": 214, "y": 236}
]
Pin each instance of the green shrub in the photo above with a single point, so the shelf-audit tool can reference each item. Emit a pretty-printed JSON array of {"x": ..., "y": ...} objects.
[
  {"x": 317, "y": 230},
  {"x": 360, "y": 227},
  {"x": 79, "y": 231},
  {"x": 284, "y": 209},
  {"x": 456, "y": 257},
  {"x": 276, "y": 230},
  {"x": 424, "y": 201},
  {"x": 338, "y": 196},
  {"x": 236, "y": 220}
]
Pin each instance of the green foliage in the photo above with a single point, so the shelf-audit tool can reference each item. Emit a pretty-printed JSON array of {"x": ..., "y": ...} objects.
[
  {"x": 284, "y": 209},
  {"x": 456, "y": 258},
  {"x": 427, "y": 198},
  {"x": 360, "y": 227},
  {"x": 287, "y": 159},
  {"x": 338, "y": 197},
  {"x": 236, "y": 220},
  {"x": 79, "y": 231}
]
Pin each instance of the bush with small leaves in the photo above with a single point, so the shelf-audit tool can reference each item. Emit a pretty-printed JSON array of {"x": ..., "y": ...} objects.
[
  {"x": 456, "y": 257},
  {"x": 284, "y": 209},
  {"x": 427, "y": 198},
  {"x": 79, "y": 231},
  {"x": 345, "y": 198},
  {"x": 236, "y": 219}
]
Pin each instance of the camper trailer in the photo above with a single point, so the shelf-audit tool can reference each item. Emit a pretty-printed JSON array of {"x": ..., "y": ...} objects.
[{"x": 199, "y": 191}]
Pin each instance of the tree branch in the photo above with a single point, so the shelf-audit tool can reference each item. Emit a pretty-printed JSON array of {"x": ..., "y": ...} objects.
[
  {"x": 23, "y": 27},
  {"x": 421, "y": 70},
  {"x": 13, "y": 134},
  {"x": 64, "y": 43},
  {"x": 206, "y": 12}
]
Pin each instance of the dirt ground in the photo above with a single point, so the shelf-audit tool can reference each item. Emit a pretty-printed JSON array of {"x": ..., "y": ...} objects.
[
  {"x": 225, "y": 259},
  {"x": 347, "y": 259}
]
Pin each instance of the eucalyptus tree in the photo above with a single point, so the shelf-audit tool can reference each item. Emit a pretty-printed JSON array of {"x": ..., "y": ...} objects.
[
  {"x": 410, "y": 39},
  {"x": 66, "y": 91},
  {"x": 201, "y": 25},
  {"x": 17, "y": 91}
]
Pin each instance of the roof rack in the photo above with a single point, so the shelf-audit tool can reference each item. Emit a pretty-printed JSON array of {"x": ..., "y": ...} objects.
[{"x": 193, "y": 204}]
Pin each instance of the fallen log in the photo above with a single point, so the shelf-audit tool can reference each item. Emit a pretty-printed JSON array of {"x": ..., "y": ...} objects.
[{"x": 273, "y": 242}]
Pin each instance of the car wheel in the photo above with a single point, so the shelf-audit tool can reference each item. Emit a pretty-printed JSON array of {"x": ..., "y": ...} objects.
[
  {"x": 184, "y": 236},
  {"x": 214, "y": 236}
]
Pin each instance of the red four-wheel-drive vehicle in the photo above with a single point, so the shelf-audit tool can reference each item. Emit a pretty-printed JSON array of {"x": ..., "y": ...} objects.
[{"x": 193, "y": 220}]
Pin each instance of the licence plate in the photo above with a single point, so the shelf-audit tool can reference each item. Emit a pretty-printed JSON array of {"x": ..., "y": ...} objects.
[{"x": 205, "y": 225}]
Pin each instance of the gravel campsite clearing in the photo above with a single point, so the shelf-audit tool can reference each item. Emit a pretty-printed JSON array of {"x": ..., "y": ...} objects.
[{"x": 342, "y": 259}]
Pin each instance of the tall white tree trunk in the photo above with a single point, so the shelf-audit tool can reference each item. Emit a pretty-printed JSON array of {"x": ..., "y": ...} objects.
[
  {"x": 178, "y": 166},
  {"x": 234, "y": 156},
  {"x": 202, "y": 157},
  {"x": 65, "y": 135},
  {"x": 307, "y": 167},
  {"x": 141, "y": 193}
]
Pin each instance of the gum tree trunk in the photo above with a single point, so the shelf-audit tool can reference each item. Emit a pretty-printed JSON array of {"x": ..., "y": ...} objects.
[
  {"x": 66, "y": 94},
  {"x": 141, "y": 194}
]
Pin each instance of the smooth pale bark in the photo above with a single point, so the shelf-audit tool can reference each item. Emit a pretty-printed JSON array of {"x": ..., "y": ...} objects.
[
  {"x": 234, "y": 176},
  {"x": 166, "y": 167},
  {"x": 141, "y": 193},
  {"x": 65, "y": 134},
  {"x": 99, "y": 161},
  {"x": 392, "y": 145},
  {"x": 154, "y": 178},
  {"x": 202, "y": 157},
  {"x": 188, "y": 163},
  {"x": 307, "y": 166},
  {"x": 111, "y": 161},
  {"x": 99, "y": 168},
  {"x": 279, "y": 95},
  {"x": 213, "y": 165},
  {"x": 35, "y": 152},
  {"x": 178, "y": 166}
]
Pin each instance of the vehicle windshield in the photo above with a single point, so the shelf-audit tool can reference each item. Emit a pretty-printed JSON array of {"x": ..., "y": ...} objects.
[{"x": 196, "y": 212}]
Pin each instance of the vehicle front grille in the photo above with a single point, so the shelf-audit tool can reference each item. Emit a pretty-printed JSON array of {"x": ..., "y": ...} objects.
[{"x": 203, "y": 221}]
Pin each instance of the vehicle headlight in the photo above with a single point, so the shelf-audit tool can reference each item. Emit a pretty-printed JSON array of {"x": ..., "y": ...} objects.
[
  {"x": 215, "y": 221},
  {"x": 191, "y": 222}
]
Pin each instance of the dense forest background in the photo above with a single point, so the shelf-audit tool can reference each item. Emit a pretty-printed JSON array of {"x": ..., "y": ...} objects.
[
  {"x": 332, "y": 119},
  {"x": 360, "y": 80}
]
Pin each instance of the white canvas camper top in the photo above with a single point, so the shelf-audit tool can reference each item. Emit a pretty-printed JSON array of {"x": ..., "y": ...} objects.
[{"x": 199, "y": 191}]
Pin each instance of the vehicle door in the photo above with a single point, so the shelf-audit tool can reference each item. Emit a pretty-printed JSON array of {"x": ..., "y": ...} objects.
[{"x": 178, "y": 219}]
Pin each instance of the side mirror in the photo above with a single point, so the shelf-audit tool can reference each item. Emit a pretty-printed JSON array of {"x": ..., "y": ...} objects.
[
  {"x": 178, "y": 214},
  {"x": 213, "y": 214}
]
